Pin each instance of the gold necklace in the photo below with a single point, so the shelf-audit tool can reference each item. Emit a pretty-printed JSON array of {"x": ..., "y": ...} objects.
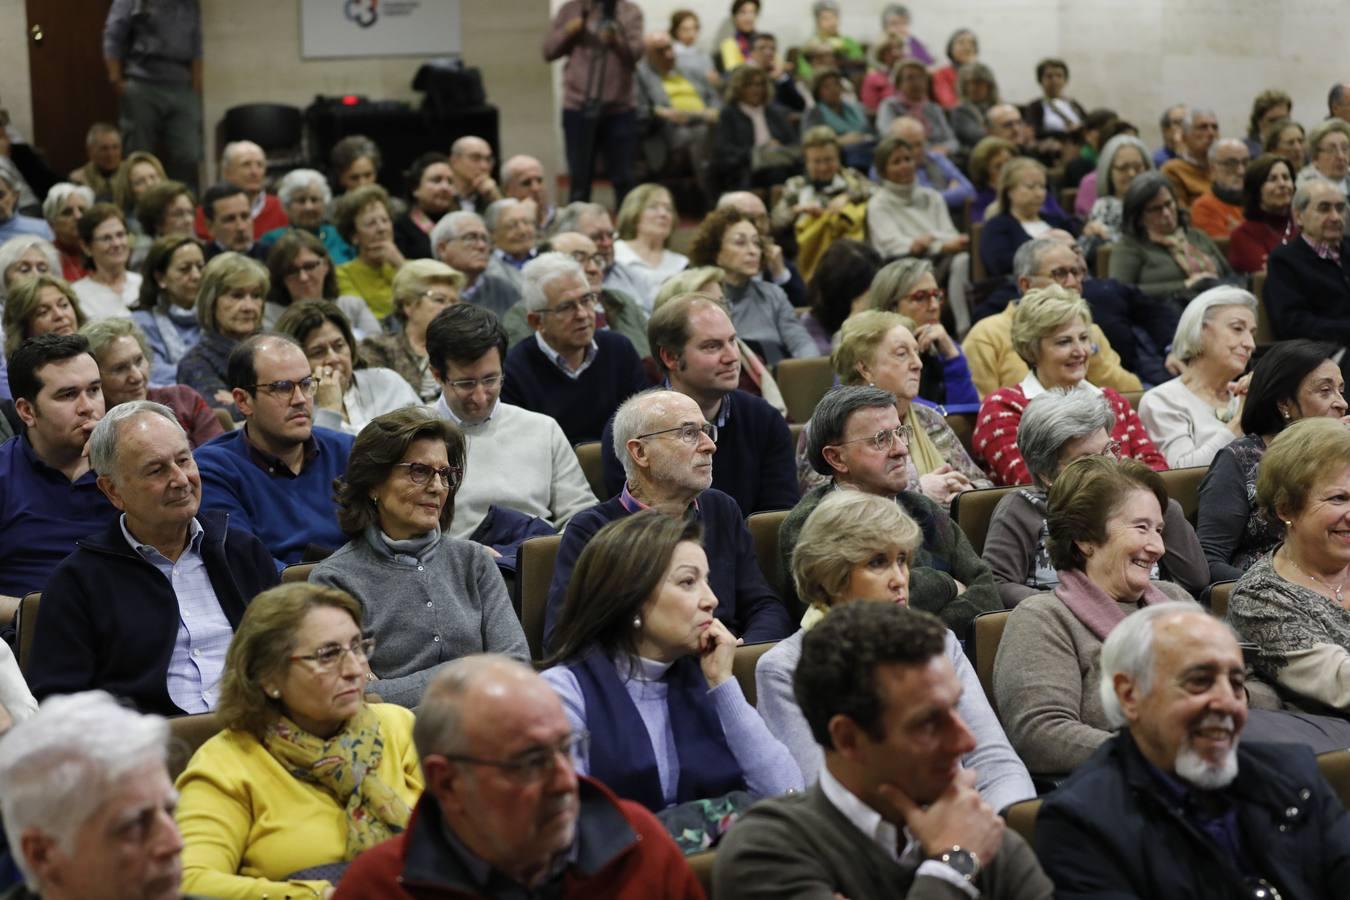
[{"x": 1337, "y": 589}]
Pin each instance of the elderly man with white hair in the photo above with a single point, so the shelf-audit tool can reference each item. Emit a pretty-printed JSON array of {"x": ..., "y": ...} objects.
[
  {"x": 145, "y": 607},
  {"x": 568, "y": 369},
  {"x": 1307, "y": 292},
  {"x": 510, "y": 222},
  {"x": 1219, "y": 210},
  {"x": 1190, "y": 172},
  {"x": 244, "y": 163},
  {"x": 1176, "y": 804},
  {"x": 523, "y": 178},
  {"x": 305, "y": 195},
  {"x": 461, "y": 241},
  {"x": 88, "y": 803}
]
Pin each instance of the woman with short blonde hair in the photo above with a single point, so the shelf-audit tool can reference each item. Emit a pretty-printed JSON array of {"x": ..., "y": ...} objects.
[
  {"x": 642, "y": 254},
  {"x": 229, "y": 308}
]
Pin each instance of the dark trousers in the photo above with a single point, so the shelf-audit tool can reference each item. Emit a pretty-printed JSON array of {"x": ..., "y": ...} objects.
[{"x": 615, "y": 139}]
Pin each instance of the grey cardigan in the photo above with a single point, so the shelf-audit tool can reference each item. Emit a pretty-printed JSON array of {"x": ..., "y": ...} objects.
[
  {"x": 1001, "y": 778},
  {"x": 425, "y": 611}
]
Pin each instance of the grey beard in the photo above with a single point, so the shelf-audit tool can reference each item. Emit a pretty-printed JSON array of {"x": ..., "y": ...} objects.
[{"x": 1232, "y": 197}]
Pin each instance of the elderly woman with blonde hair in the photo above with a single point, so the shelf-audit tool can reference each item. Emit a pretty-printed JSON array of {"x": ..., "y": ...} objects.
[
  {"x": 878, "y": 348},
  {"x": 422, "y": 288},
  {"x": 229, "y": 309},
  {"x": 858, "y": 547},
  {"x": 1051, "y": 332}
]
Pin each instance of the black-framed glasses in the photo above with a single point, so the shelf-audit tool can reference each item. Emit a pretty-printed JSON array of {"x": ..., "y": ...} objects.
[
  {"x": 535, "y": 765},
  {"x": 688, "y": 432},
  {"x": 305, "y": 268},
  {"x": 330, "y": 656},
  {"x": 572, "y": 307},
  {"x": 307, "y": 385},
  {"x": 884, "y": 439},
  {"x": 421, "y": 473}
]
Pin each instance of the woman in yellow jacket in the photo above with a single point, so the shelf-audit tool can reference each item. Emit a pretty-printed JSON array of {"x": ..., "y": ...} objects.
[{"x": 306, "y": 774}]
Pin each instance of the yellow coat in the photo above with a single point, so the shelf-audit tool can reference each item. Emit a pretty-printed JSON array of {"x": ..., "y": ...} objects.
[
  {"x": 375, "y": 286},
  {"x": 247, "y": 822}
]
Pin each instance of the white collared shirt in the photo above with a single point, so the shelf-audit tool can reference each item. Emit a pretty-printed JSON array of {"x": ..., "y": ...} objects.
[
  {"x": 562, "y": 364},
  {"x": 886, "y": 836},
  {"x": 1032, "y": 388}
]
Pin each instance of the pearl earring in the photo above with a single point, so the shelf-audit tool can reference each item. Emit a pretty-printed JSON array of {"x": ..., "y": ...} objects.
[
  {"x": 637, "y": 621},
  {"x": 276, "y": 694}
]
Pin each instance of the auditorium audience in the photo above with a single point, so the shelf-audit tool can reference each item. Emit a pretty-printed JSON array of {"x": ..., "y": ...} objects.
[
  {"x": 427, "y": 598},
  {"x": 422, "y": 288},
  {"x": 43, "y": 304},
  {"x": 139, "y": 172},
  {"x": 754, "y": 143},
  {"x": 839, "y": 287},
  {"x": 364, "y": 219},
  {"x": 1286, "y": 138},
  {"x": 1268, "y": 194},
  {"x": 644, "y": 667},
  {"x": 1189, "y": 172},
  {"x": 676, "y": 110},
  {"x": 64, "y": 205},
  {"x": 1292, "y": 380},
  {"x": 1159, "y": 251},
  {"x": 932, "y": 168},
  {"x": 299, "y": 269},
  {"x": 882, "y": 698},
  {"x": 103, "y": 154},
  {"x": 349, "y": 392},
  {"x": 777, "y": 265},
  {"x": 1173, "y": 681},
  {"x": 760, "y": 310},
  {"x": 1057, "y": 428},
  {"x": 878, "y": 349},
  {"x": 1051, "y": 332},
  {"x": 109, "y": 289},
  {"x": 694, "y": 346},
  {"x": 642, "y": 255},
  {"x": 963, "y": 49},
  {"x": 355, "y": 161},
  {"x": 226, "y": 211},
  {"x": 13, "y": 223},
  {"x": 167, "y": 209},
  {"x": 523, "y": 178},
  {"x": 844, "y": 116},
  {"x": 535, "y": 825},
  {"x": 823, "y": 205},
  {"x": 1170, "y": 125},
  {"x": 306, "y": 197},
  {"x": 167, "y": 311},
  {"x": 1020, "y": 218},
  {"x": 510, "y": 222},
  {"x": 985, "y": 167},
  {"x": 1329, "y": 154},
  {"x": 1193, "y": 416},
  {"x": 1122, "y": 159},
  {"x": 244, "y": 163},
  {"x": 912, "y": 97},
  {"x": 305, "y": 773},
  {"x": 666, "y": 447},
  {"x": 1308, "y": 291},
  {"x": 1268, "y": 108},
  {"x": 1053, "y": 114},
  {"x": 26, "y": 256},
  {"x": 1219, "y": 210},
  {"x": 858, "y": 546},
  {"x": 737, "y": 48},
  {"x": 471, "y": 162},
  {"x": 460, "y": 240},
  {"x": 122, "y": 354},
  {"x": 273, "y": 475},
  {"x": 144, "y": 607},
  {"x": 229, "y": 309},
  {"x": 517, "y": 460}
]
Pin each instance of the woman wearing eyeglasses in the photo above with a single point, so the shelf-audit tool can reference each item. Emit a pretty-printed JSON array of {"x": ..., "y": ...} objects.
[
  {"x": 301, "y": 269},
  {"x": 645, "y": 667},
  {"x": 1057, "y": 428},
  {"x": 229, "y": 309},
  {"x": 305, "y": 773},
  {"x": 1158, "y": 249},
  {"x": 110, "y": 289},
  {"x": 428, "y": 598}
]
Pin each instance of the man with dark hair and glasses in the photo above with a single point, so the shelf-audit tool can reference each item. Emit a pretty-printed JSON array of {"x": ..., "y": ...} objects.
[
  {"x": 666, "y": 447},
  {"x": 505, "y": 813},
  {"x": 274, "y": 475},
  {"x": 145, "y": 607},
  {"x": 1176, "y": 804},
  {"x": 857, "y": 439},
  {"x": 568, "y": 369}
]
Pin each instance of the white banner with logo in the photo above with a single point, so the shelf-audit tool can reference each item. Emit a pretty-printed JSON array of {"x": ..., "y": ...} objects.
[{"x": 330, "y": 28}]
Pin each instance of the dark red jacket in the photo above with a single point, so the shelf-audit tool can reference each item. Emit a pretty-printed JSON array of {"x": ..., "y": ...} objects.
[{"x": 624, "y": 853}]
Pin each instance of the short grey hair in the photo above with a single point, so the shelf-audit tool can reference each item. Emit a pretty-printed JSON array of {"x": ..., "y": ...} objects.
[
  {"x": 1051, "y": 421},
  {"x": 541, "y": 272},
  {"x": 1128, "y": 650},
  {"x": 60, "y": 193},
  {"x": 634, "y": 417},
  {"x": 297, "y": 180},
  {"x": 1318, "y": 133},
  {"x": 233, "y": 147},
  {"x": 1303, "y": 193},
  {"x": 512, "y": 168},
  {"x": 447, "y": 229},
  {"x": 103, "y": 439},
  {"x": 571, "y": 214},
  {"x": 895, "y": 280},
  {"x": 1187, "y": 342},
  {"x": 821, "y": 6},
  {"x": 1188, "y": 121},
  {"x": 17, "y": 246},
  {"x": 894, "y": 9},
  {"x": 1027, "y": 259},
  {"x": 1224, "y": 142},
  {"x": 831, "y": 417},
  {"x": 438, "y": 728},
  {"x": 59, "y": 766},
  {"x": 493, "y": 213},
  {"x": 1107, "y": 158},
  {"x": 102, "y": 332}
]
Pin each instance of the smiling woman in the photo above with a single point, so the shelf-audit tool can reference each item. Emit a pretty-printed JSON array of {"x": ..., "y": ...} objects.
[
  {"x": 110, "y": 290},
  {"x": 229, "y": 309}
]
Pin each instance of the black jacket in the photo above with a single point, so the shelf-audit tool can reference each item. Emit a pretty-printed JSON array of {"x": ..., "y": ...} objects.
[
  {"x": 109, "y": 619},
  {"x": 735, "y": 140},
  {"x": 1112, "y": 831},
  {"x": 1307, "y": 296}
]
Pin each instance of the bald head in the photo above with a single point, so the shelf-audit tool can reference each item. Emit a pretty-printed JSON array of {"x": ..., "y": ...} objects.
[
  {"x": 1005, "y": 121},
  {"x": 910, "y": 130},
  {"x": 455, "y": 714},
  {"x": 746, "y": 201},
  {"x": 244, "y": 163}
]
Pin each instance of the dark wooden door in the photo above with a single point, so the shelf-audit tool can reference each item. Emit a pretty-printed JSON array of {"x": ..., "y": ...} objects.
[{"x": 70, "y": 83}]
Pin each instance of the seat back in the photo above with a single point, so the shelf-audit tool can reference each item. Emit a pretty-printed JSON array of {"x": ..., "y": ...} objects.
[
  {"x": 803, "y": 382},
  {"x": 534, "y": 573},
  {"x": 764, "y": 532},
  {"x": 186, "y": 734},
  {"x": 1021, "y": 818},
  {"x": 589, "y": 456},
  {"x": 701, "y": 864},
  {"x": 743, "y": 667},
  {"x": 963, "y": 426},
  {"x": 1103, "y": 262},
  {"x": 988, "y": 632},
  {"x": 1183, "y": 486},
  {"x": 26, "y": 626},
  {"x": 972, "y": 511},
  {"x": 977, "y": 270},
  {"x": 296, "y": 572},
  {"x": 1218, "y": 598}
]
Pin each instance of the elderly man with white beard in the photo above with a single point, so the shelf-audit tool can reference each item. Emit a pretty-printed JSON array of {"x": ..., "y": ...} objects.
[{"x": 1175, "y": 805}]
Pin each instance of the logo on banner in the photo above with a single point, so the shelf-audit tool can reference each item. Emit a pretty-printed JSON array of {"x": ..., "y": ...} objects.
[{"x": 362, "y": 12}]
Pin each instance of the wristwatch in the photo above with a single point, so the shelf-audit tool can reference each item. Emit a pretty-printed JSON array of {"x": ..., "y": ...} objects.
[{"x": 963, "y": 862}]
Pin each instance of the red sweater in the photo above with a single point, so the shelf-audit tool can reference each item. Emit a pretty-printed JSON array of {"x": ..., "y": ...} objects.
[
  {"x": 272, "y": 215},
  {"x": 995, "y": 438},
  {"x": 630, "y": 855},
  {"x": 1251, "y": 242}
]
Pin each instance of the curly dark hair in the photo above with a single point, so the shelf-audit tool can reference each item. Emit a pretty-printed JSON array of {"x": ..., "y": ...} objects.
[{"x": 708, "y": 241}]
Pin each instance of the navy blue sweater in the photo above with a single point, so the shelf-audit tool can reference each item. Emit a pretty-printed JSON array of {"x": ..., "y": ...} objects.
[
  {"x": 745, "y": 602},
  {"x": 1003, "y": 234},
  {"x": 755, "y": 462},
  {"x": 109, "y": 618},
  {"x": 580, "y": 406}
]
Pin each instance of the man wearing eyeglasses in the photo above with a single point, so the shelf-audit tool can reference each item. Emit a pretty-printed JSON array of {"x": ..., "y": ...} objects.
[
  {"x": 1219, "y": 210},
  {"x": 568, "y": 370},
  {"x": 1176, "y": 804},
  {"x": 667, "y": 449},
  {"x": 274, "y": 475},
  {"x": 505, "y": 813},
  {"x": 856, "y": 438},
  {"x": 460, "y": 240},
  {"x": 145, "y": 608}
]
